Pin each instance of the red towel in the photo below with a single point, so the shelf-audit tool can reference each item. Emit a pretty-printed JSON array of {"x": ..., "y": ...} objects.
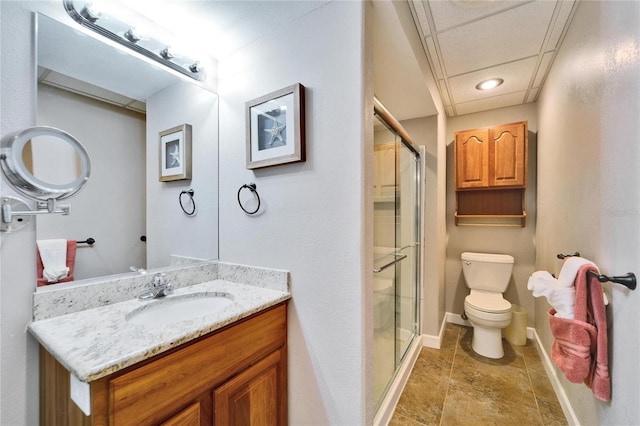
[
  {"x": 71, "y": 261},
  {"x": 580, "y": 348}
]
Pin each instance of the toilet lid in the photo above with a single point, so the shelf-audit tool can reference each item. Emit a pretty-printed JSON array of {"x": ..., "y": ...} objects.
[{"x": 488, "y": 302}]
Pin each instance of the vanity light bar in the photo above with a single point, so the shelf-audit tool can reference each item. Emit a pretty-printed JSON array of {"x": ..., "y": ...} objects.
[{"x": 91, "y": 18}]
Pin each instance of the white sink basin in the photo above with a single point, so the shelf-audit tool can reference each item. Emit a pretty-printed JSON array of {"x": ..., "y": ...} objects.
[{"x": 173, "y": 309}]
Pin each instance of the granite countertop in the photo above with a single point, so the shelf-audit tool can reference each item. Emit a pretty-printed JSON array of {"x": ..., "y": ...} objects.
[{"x": 94, "y": 343}]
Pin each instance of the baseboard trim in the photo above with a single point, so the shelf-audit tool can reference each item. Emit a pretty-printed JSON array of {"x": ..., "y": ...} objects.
[
  {"x": 388, "y": 406},
  {"x": 567, "y": 409},
  {"x": 435, "y": 342},
  {"x": 456, "y": 319}
]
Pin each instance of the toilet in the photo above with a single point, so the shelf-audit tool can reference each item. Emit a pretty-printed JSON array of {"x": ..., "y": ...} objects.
[{"x": 487, "y": 276}]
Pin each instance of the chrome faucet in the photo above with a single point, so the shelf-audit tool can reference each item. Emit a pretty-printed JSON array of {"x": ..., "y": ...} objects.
[{"x": 161, "y": 287}]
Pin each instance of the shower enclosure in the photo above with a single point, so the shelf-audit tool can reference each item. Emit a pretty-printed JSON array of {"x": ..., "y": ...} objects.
[{"x": 396, "y": 270}]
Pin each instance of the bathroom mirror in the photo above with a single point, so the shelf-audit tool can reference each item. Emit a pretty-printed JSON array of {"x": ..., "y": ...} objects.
[
  {"x": 117, "y": 104},
  {"x": 45, "y": 162}
]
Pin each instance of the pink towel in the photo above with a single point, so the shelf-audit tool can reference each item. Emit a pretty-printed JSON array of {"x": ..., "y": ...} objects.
[
  {"x": 71, "y": 261},
  {"x": 580, "y": 348}
]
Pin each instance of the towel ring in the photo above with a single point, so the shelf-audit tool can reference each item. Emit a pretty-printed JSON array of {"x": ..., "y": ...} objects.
[
  {"x": 251, "y": 187},
  {"x": 190, "y": 193}
]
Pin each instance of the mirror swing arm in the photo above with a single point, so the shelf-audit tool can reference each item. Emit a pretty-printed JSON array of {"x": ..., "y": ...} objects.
[{"x": 21, "y": 177}]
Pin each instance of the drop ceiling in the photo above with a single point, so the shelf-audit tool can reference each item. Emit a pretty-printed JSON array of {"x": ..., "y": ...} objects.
[{"x": 469, "y": 41}]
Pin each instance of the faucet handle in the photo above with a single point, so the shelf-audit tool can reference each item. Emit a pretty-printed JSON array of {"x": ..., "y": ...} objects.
[{"x": 159, "y": 279}]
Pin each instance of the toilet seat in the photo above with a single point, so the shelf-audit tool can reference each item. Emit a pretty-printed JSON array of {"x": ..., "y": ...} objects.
[{"x": 492, "y": 303}]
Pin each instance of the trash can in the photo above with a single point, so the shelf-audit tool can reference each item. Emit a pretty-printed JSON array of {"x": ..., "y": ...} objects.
[{"x": 516, "y": 332}]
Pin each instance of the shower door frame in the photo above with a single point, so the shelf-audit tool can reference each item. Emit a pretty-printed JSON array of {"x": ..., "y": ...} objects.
[{"x": 407, "y": 142}]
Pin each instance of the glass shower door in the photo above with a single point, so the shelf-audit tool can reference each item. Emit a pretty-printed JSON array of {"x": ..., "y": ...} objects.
[
  {"x": 396, "y": 253},
  {"x": 407, "y": 245}
]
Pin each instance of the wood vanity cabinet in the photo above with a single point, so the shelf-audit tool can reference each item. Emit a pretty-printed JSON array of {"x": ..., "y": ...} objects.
[
  {"x": 492, "y": 158},
  {"x": 233, "y": 376}
]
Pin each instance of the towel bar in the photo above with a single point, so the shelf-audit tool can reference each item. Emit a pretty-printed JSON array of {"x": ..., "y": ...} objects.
[
  {"x": 89, "y": 241},
  {"x": 562, "y": 256},
  {"x": 628, "y": 280}
]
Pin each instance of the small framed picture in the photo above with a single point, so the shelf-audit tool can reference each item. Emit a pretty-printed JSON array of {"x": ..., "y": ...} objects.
[
  {"x": 175, "y": 153},
  {"x": 275, "y": 128}
]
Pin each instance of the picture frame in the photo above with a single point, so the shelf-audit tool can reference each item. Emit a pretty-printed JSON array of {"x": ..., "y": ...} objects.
[
  {"x": 275, "y": 128},
  {"x": 175, "y": 153}
]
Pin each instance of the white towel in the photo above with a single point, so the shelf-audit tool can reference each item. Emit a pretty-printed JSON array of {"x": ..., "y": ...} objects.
[
  {"x": 570, "y": 268},
  {"x": 560, "y": 293},
  {"x": 53, "y": 254},
  {"x": 562, "y": 298}
]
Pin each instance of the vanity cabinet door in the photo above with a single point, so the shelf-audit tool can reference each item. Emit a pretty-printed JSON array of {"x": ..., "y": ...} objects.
[
  {"x": 254, "y": 397},
  {"x": 196, "y": 414}
]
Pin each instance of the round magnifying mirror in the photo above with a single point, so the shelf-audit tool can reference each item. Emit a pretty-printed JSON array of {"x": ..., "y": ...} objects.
[{"x": 44, "y": 163}]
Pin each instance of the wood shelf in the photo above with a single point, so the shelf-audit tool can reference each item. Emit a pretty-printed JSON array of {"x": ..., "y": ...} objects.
[
  {"x": 497, "y": 207},
  {"x": 490, "y": 220}
]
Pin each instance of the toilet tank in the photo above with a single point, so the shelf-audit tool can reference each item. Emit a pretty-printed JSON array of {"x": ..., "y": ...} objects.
[{"x": 486, "y": 271}]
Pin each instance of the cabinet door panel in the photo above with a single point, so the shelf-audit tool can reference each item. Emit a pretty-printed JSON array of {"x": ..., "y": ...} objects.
[
  {"x": 253, "y": 397},
  {"x": 196, "y": 414},
  {"x": 472, "y": 159},
  {"x": 508, "y": 155}
]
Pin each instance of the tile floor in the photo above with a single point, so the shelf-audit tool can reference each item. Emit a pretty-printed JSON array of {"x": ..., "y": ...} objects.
[{"x": 455, "y": 386}]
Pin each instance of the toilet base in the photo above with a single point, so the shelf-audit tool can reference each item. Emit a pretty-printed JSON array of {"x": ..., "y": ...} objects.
[{"x": 487, "y": 341}]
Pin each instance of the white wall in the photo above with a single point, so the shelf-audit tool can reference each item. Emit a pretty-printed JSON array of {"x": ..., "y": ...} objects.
[
  {"x": 115, "y": 140},
  {"x": 516, "y": 241},
  {"x": 19, "y": 357},
  {"x": 312, "y": 221},
  {"x": 589, "y": 185},
  {"x": 169, "y": 229}
]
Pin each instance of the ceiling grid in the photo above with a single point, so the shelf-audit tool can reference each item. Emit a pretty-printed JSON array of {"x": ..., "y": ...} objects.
[{"x": 469, "y": 41}]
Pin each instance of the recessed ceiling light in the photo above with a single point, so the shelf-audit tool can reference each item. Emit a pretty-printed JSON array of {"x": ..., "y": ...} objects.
[{"x": 489, "y": 84}]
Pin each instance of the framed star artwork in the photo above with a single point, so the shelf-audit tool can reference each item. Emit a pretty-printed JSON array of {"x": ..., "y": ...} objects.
[
  {"x": 175, "y": 153},
  {"x": 275, "y": 128}
]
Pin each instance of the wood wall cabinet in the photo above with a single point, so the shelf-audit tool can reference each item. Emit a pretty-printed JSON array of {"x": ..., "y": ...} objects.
[
  {"x": 491, "y": 173},
  {"x": 233, "y": 376},
  {"x": 492, "y": 158}
]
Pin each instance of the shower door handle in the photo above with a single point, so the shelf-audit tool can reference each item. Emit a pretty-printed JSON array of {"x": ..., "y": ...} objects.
[{"x": 393, "y": 262}]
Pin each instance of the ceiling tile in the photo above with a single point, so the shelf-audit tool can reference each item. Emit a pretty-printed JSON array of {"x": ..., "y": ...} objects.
[
  {"x": 516, "y": 75},
  {"x": 543, "y": 68},
  {"x": 444, "y": 92},
  {"x": 422, "y": 17},
  {"x": 501, "y": 38},
  {"x": 433, "y": 57},
  {"x": 447, "y": 14},
  {"x": 490, "y": 103},
  {"x": 563, "y": 15}
]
